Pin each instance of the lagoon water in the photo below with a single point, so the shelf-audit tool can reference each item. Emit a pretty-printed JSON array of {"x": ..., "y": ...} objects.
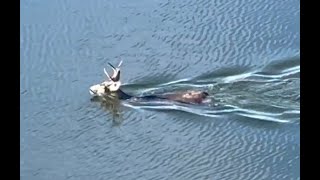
[{"x": 246, "y": 54}]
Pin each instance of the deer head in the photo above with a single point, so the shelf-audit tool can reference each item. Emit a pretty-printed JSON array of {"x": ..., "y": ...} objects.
[{"x": 112, "y": 84}]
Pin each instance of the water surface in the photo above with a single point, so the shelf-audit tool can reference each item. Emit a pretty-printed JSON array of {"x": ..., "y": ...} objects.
[{"x": 246, "y": 54}]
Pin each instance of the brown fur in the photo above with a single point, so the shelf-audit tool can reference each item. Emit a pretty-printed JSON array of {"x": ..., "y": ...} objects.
[{"x": 187, "y": 96}]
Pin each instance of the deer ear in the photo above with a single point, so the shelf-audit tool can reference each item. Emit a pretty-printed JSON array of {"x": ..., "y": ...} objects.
[{"x": 117, "y": 77}]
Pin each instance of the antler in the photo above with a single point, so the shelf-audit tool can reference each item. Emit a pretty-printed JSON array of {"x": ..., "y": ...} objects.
[
  {"x": 120, "y": 64},
  {"x": 105, "y": 71},
  {"x": 115, "y": 70}
]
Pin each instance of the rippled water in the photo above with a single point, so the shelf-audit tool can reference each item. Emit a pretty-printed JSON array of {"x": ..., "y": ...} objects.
[{"x": 246, "y": 54}]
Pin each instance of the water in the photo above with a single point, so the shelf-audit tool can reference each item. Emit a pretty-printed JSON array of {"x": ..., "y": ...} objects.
[{"x": 246, "y": 54}]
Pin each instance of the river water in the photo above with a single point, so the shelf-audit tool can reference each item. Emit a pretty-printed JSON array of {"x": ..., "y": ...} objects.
[{"x": 245, "y": 54}]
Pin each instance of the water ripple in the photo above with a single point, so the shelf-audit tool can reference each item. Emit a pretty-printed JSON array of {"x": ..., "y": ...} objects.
[
  {"x": 224, "y": 47},
  {"x": 264, "y": 94}
]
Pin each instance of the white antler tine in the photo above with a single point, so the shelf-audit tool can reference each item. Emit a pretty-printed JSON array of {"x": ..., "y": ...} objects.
[
  {"x": 113, "y": 68},
  {"x": 120, "y": 64},
  {"x": 105, "y": 71}
]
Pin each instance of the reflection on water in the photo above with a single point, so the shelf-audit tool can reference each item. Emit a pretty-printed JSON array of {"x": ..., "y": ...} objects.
[{"x": 112, "y": 105}]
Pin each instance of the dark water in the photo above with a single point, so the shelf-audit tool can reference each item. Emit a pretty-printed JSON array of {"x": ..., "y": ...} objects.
[{"x": 246, "y": 54}]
